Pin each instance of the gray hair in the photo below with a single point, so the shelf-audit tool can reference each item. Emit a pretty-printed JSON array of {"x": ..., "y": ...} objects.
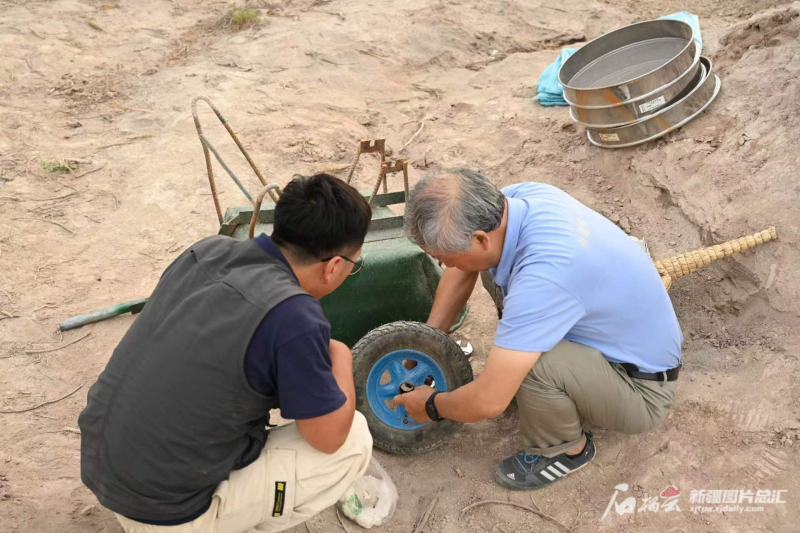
[{"x": 447, "y": 206}]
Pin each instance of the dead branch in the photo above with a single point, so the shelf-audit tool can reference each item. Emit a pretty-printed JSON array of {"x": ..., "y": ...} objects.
[
  {"x": 517, "y": 505},
  {"x": 421, "y": 126},
  {"x": 73, "y": 193},
  {"x": 47, "y": 220},
  {"x": 111, "y": 145},
  {"x": 58, "y": 347},
  {"x": 340, "y": 520},
  {"x": 126, "y": 108},
  {"x": 367, "y": 53},
  {"x": 426, "y": 515},
  {"x": 82, "y": 174},
  {"x": 15, "y": 411}
]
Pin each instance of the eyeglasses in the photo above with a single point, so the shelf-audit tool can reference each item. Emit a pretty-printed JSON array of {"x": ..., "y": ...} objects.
[{"x": 358, "y": 264}]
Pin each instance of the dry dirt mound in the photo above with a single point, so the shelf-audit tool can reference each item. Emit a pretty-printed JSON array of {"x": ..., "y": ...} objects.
[
  {"x": 733, "y": 172},
  {"x": 777, "y": 27}
]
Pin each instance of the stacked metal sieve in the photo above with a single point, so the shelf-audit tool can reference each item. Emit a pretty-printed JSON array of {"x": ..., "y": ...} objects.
[{"x": 638, "y": 83}]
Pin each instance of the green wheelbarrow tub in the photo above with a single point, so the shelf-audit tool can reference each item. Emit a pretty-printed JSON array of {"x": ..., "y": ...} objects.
[{"x": 397, "y": 283}]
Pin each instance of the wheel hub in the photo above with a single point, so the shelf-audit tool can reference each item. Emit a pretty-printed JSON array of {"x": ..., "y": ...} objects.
[{"x": 400, "y": 372}]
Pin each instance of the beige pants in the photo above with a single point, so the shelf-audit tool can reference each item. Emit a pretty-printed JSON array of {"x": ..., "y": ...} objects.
[
  {"x": 573, "y": 382},
  {"x": 289, "y": 483}
]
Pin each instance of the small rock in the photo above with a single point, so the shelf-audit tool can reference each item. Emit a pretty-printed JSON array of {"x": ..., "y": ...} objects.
[
  {"x": 789, "y": 442},
  {"x": 672, "y": 243},
  {"x": 742, "y": 140},
  {"x": 459, "y": 473},
  {"x": 598, "y": 180},
  {"x": 625, "y": 224},
  {"x": 422, "y": 162},
  {"x": 609, "y": 187},
  {"x": 509, "y": 116},
  {"x": 89, "y": 509},
  {"x": 770, "y": 442},
  {"x": 74, "y": 124},
  {"x": 613, "y": 217}
]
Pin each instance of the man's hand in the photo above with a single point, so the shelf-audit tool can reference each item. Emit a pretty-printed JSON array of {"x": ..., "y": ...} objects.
[
  {"x": 414, "y": 402},
  {"x": 491, "y": 392}
]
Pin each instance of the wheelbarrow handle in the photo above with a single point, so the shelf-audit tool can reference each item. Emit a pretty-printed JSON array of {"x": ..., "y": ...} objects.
[
  {"x": 133, "y": 307},
  {"x": 205, "y": 144},
  {"x": 274, "y": 191}
]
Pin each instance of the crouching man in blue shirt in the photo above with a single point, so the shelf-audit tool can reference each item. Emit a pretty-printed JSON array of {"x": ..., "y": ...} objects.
[
  {"x": 586, "y": 329},
  {"x": 174, "y": 437}
]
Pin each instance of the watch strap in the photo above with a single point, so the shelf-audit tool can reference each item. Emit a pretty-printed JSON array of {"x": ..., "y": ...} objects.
[{"x": 430, "y": 408}]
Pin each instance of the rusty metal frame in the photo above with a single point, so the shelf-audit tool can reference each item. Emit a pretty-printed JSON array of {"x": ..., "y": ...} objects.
[
  {"x": 368, "y": 147},
  {"x": 274, "y": 191},
  {"x": 204, "y": 142},
  {"x": 391, "y": 167}
]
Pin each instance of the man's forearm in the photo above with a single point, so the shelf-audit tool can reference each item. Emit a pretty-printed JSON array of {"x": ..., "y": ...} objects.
[
  {"x": 465, "y": 405},
  {"x": 327, "y": 433},
  {"x": 454, "y": 290},
  {"x": 342, "y": 368}
]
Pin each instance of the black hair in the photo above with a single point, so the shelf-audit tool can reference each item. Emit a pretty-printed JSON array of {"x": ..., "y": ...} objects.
[{"x": 320, "y": 216}]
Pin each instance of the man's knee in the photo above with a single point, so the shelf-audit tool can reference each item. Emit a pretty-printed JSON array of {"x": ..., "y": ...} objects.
[
  {"x": 359, "y": 431},
  {"x": 658, "y": 400}
]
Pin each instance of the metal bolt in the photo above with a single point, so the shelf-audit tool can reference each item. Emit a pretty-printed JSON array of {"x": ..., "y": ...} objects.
[{"x": 405, "y": 387}]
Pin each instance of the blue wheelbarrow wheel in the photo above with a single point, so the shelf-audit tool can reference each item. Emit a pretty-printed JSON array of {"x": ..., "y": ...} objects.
[{"x": 405, "y": 353}]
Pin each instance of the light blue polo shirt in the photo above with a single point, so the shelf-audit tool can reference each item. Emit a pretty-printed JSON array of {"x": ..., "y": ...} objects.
[{"x": 567, "y": 272}]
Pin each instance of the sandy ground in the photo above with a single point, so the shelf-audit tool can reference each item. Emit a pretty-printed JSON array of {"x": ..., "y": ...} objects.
[{"x": 108, "y": 83}]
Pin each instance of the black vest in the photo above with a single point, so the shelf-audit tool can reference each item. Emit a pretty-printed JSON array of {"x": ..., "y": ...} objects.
[{"x": 173, "y": 414}]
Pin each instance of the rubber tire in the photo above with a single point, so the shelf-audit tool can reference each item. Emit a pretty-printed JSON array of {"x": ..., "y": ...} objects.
[{"x": 412, "y": 336}]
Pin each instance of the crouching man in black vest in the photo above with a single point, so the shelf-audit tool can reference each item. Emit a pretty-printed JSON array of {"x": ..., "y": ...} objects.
[{"x": 174, "y": 437}]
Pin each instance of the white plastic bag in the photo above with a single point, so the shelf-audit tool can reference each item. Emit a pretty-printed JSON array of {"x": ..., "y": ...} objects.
[{"x": 371, "y": 500}]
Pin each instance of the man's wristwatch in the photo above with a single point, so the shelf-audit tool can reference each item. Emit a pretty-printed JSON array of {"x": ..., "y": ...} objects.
[{"x": 430, "y": 408}]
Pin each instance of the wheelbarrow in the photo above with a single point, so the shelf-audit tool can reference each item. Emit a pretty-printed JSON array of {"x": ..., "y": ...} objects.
[{"x": 380, "y": 311}]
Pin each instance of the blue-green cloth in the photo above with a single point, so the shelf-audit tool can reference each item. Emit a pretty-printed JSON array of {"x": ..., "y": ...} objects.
[
  {"x": 550, "y": 91},
  {"x": 690, "y": 19}
]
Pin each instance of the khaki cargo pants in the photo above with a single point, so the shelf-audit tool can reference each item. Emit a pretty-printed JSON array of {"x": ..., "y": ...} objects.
[
  {"x": 573, "y": 382},
  {"x": 288, "y": 484}
]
